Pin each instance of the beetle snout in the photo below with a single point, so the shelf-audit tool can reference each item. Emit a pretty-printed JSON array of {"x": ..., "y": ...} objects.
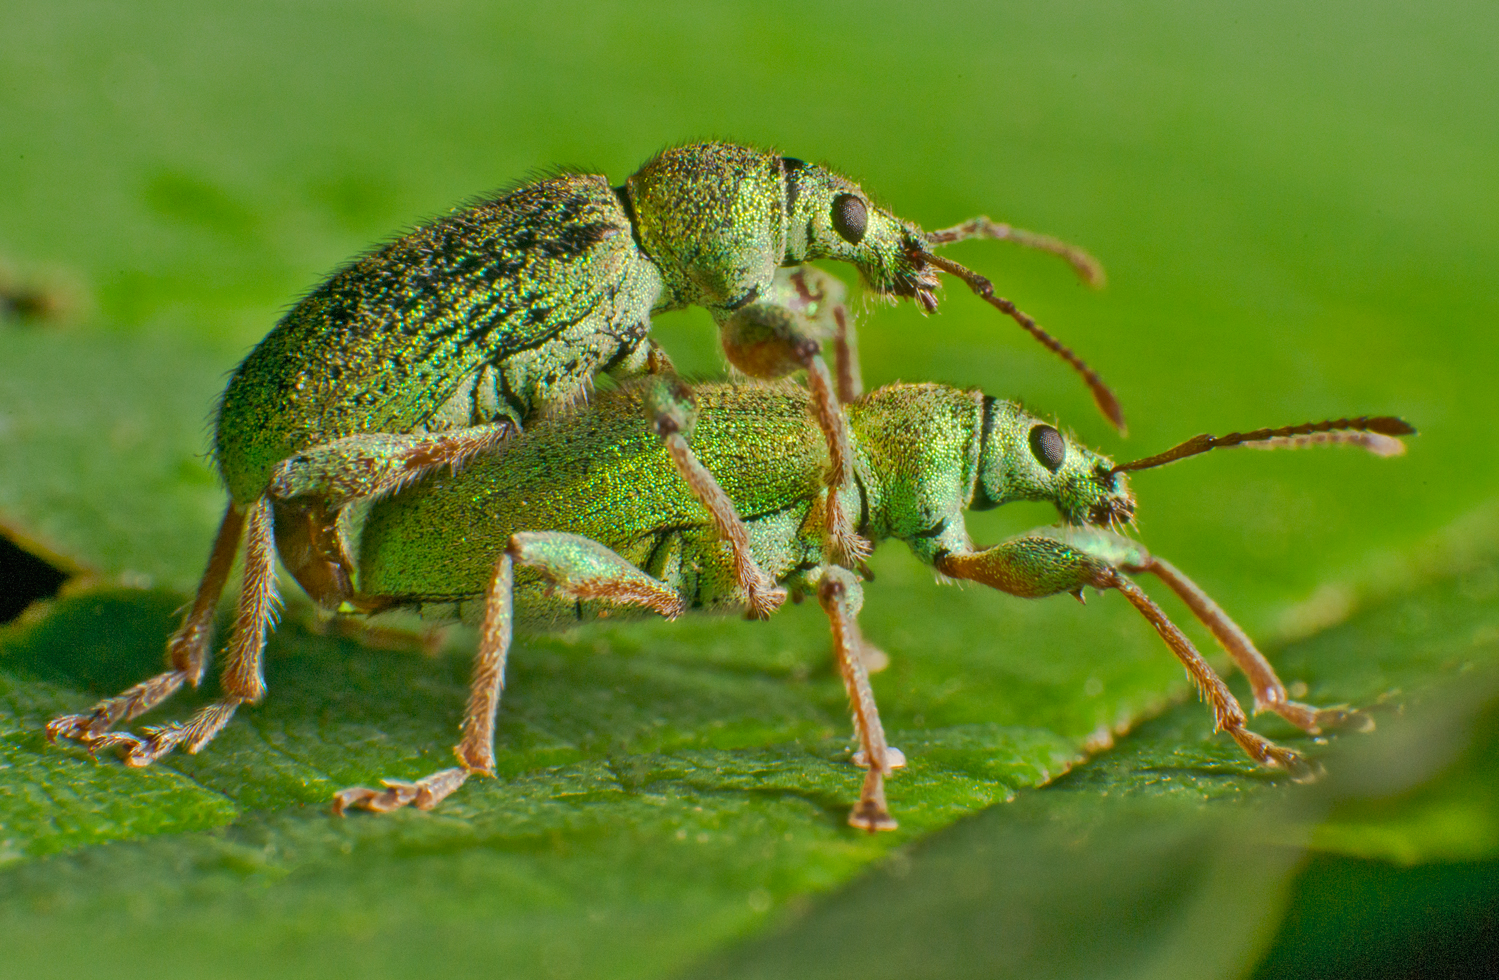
[
  {"x": 1112, "y": 512},
  {"x": 918, "y": 278}
]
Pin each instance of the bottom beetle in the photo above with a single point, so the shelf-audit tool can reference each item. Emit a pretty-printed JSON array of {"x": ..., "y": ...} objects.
[{"x": 584, "y": 517}]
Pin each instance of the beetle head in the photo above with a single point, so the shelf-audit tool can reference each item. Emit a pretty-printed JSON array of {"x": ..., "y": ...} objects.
[
  {"x": 830, "y": 217},
  {"x": 1023, "y": 458}
]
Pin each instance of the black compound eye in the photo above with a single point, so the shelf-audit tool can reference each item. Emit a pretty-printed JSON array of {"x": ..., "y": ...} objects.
[
  {"x": 850, "y": 217},
  {"x": 1048, "y": 446}
]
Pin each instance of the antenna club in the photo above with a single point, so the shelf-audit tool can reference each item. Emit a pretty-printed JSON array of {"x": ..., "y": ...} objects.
[{"x": 1386, "y": 425}]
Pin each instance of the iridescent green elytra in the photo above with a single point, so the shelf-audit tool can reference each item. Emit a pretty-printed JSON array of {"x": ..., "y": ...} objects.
[{"x": 450, "y": 339}]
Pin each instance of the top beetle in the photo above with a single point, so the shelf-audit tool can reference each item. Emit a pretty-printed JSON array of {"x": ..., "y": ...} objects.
[{"x": 448, "y": 339}]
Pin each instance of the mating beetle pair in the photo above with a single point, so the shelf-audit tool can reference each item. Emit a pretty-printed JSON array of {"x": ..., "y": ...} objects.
[
  {"x": 441, "y": 346},
  {"x": 450, "y": 339}
]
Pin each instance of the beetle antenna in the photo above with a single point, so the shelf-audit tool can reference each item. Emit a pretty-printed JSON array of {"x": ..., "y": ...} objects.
[
  {"x": 1088, "y": 269},
  {"x": 1374, "y": 442},
  {"x": 1102, "y": 395},
  {"x": 1374, "y": 433}
]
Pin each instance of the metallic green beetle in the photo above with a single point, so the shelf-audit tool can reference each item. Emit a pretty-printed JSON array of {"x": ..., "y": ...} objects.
[
  {"x": 583, "y": 516},
  {"x": 448, "y": 340}
]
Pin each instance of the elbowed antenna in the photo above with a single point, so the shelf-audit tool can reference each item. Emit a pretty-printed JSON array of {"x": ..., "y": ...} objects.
[
  {"x": 1102, "y": 395},
  {"x": 1375, "y": 433},
  {"x": 1088, "y": 269}
]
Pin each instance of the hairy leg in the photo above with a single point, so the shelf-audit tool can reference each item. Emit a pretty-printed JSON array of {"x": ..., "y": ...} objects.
[
  {"x": 782, "y": 333},
  {"x": 242, "y": 675},
  {"x": 309, "y": 492},
  {"x": 187, "y": 650},
  {"x": 578, "y": 568},
  {"x": 672, "y": 412},
  {"x": 306, "y": 494},
  {"x": 1269, "y": 692},
  {"x": 1051, "y": 561},
  {"x": 840, "y": 596}
]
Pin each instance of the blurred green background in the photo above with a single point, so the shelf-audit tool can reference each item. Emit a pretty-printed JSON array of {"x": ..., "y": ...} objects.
[{"x": 1297, "y": 209}]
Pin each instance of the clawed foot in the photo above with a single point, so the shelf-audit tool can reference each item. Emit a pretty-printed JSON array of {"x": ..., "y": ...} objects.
[
  {"x": 1267, "y": 753},
  {"x": 870, "y": 813},
  {"x": 152, "y": 743},
  {"x": 89, "y": 729},
  {"x": 765, "y": 597},
  {"x": 135, "y": 751},
  {"x": 78, "y": 728},
  {"x": 847, "y": 547},
  {"x": 1315, "y": 721},
  {"x": 871, "y": 818},
  {"x": 424, "y": 794},
  {"x": 894, "y": 758}
]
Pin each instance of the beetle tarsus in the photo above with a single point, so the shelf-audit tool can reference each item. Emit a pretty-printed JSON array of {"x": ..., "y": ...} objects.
[{"x": 424, "y": 794}]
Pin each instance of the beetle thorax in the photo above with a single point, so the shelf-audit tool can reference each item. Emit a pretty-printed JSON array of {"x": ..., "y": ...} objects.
[{"x": 711, "y": 216}]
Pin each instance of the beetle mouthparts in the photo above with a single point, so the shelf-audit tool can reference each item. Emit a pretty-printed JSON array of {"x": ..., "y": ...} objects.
[{"x": 1114, "y": 514}]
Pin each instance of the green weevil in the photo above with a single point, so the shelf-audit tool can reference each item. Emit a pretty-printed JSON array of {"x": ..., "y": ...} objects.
[
  {"x": 583, "y": 517},
  {"x": 452, "y": 338}
]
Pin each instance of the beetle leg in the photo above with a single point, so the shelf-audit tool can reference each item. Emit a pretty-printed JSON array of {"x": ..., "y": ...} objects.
[
  {"x": 242, "y": 677},
  {"x": 579, "y": 568},
  {"x": 1269, "y": 692},
  {"x": 187, "y": 650},
  {"x": 819, "y": 297},
  {"x": 424, "y": 794},
  {"x": 846, "y": 546},
  {"x": 846, "y": 356},
  {"x": 1227, "y": 714},
  {"x": 372, "y": 464},
  {"x": 773, "y": 337},
  {"x": 322, "y": 480},
  {"x": 671, "y": 407},
  {"x": 476, "y": 750},
  {"x": 584, "y": 570},
  {"x": 1043, "y": 564},
  {"x": 840, "y": 596}
]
